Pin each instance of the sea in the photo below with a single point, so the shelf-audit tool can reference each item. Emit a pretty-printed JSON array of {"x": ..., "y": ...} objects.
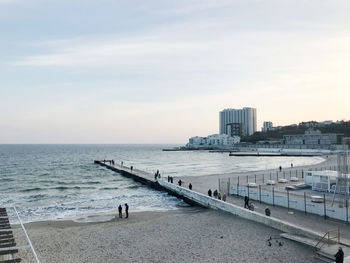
[{"x": 49, "y": 182}]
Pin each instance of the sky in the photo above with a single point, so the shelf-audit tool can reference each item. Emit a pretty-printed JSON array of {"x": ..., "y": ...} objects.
[{"x": 159, "y": 71}]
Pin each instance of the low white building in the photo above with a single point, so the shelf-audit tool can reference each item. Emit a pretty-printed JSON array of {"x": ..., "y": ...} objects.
[
  {"x": 321, "y": 180},
  {"x": 214, "y": 140}
]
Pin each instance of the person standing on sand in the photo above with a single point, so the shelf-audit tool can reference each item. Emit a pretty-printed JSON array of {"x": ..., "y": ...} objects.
[
  {"x": 339, "y": 257},
  {"x": 126, "y": 211},
  {"x": 120, "y": 210}
]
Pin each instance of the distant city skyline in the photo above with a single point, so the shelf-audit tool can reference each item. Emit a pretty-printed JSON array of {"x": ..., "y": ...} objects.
[{"x": 160, "y": 71}]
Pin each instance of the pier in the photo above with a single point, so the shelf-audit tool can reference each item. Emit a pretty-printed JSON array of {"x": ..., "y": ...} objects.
[{"x": 290, "y": 229}]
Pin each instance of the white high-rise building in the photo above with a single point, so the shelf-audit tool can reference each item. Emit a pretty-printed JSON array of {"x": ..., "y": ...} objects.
[{"x": 245, "y": 116}]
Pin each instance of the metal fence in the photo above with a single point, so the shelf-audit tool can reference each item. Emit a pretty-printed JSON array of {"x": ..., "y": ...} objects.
[
  {"x": 263, "y": 177},
  {"x": 306, "y": 202}
]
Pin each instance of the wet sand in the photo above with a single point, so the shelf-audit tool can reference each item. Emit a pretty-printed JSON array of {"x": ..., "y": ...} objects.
[{"x": 190, "y": 234}]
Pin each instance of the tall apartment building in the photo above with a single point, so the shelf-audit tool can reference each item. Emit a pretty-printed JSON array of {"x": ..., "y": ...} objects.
[{"x": 245, "y": 116}]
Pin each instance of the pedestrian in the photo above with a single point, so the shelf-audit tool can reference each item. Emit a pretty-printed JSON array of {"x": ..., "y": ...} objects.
[
  {"x": 168, "y": 179},
  {"x": 131, "y": 167},
  {"x": 219, "y": 196},
  {"x": 190, "y": 186},
  {"x": 224, "y": 197},
  {"x": 126, "y": 211},
  {"x": 179, "y": 182},
  {"x": 215, "y": 193},
  {"x": 171, "y": 179},
  {"x": 121, "y": 164},
  {"x": 120, "y": 210},
  {"x": 209, "y": 192},
  {"x": 280, "y": 168},
  {"x": 267, "y": 211},
  {"x": 291, "y": 165},
  {"x": 246, "y": 202},
  {"x": 155, "y": 176},
  {"x": 339, "y": 257}
]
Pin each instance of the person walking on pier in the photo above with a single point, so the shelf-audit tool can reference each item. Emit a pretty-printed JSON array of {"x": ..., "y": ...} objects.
[
  {"x": 339, "y": 257},
  {"x": 126, "y": 211},
  {"x": 131, "y": 167},
  {"x": 120, "y": 210},
  {"x": 190, "y": 186},
  {"x": 179, "y": 182},
  {"x": 246, "y": 202},
  {"x": 215, "y": 193},
  {"x": 267, "y": 211},
  {"x": 171, "y": 179},
  {"x": 209, "y": 193},
  {"x": 224, "y": 197}
]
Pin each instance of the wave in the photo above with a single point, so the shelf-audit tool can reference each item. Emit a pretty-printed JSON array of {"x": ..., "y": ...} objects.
[
  {"x": 36, "y": 197},
  {"x": 62, "y": 188},
  {"x": 92, "y": 182},
  {"x": 133, "y": 187},
  {"x": 6, "y": 180},
  {"x": 31, "y": 190},
  {"x": 109, "y": 188}
]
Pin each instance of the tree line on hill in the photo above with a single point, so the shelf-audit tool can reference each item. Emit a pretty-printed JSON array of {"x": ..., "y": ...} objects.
[{"x": 342, "y": 127}]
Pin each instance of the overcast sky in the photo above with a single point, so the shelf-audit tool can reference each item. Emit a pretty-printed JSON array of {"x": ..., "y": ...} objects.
[{"x": 159, "y": 71}]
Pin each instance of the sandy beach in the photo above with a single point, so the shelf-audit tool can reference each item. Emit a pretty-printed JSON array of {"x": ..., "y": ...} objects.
[{"x": 190, "y": 234}]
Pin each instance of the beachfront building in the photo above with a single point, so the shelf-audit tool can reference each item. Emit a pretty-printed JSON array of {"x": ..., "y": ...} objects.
[
  {"x": 215, "y": 140},
  {"x": 235, "y": 129},
  {"x": 326, "y": 181},
  {"x": 246, "y": 117},
  {"x": 267, "y": 126},
  {"x": 312, "y": 139}
]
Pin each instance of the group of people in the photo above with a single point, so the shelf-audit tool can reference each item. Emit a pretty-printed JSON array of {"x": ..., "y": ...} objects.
[
  {"x": 170, "y": 179},
  {"x": 111, "y": 162},
  {"x": 120, "y": 210},
  {"x": 157, "y": 175},
  {"x": 217, "y": 195},
  {"x": 122, "y": 163}
]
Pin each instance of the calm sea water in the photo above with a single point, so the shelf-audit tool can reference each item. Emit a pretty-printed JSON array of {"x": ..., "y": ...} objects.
[{"x": 58, "y": 181}]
